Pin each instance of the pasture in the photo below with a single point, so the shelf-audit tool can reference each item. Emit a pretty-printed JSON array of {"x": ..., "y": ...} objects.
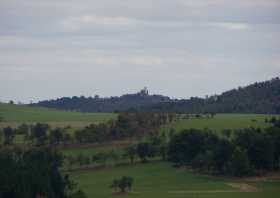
[
  {"x": 154, "y": 179},
  {"x": 14, "y": 115},
  {"x": 158, "y": 179},
  {"x": 221, "y": 122}
]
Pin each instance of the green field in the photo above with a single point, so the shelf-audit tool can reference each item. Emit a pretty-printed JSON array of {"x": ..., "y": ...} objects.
[
  {"x": 158, "y": 179},
  {"x": 161, "y": 180},
  {"x": 13, "y": 115},
  {"x": 222, "y": 121},
  {"x": 154, "y": 179}
]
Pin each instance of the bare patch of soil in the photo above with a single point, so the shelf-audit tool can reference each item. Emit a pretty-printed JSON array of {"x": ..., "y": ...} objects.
[
  {"x": 273, "y": 176},
  {"x": 238, "y": 187},
  {"x": 243, "y": 187},
  {"x": 124, "y": 193}
]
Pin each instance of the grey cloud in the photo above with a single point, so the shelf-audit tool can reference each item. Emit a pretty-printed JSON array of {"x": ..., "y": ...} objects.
[{"x": 68, "y": 47}]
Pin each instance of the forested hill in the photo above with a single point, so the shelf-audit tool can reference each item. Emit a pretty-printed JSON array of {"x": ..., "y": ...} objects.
[
  {"x": 128, "y": 102},
  {"x": 263, "y": 97}
]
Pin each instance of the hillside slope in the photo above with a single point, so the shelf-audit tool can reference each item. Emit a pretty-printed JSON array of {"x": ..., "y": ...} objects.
[{"x": 262, "y": 97}]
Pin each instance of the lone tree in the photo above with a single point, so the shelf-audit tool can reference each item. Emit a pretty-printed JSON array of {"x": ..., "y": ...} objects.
[{"x": 123, "y": 184}]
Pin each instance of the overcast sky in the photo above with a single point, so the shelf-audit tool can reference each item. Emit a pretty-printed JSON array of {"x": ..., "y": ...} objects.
[{"x": 179, "y": 48}]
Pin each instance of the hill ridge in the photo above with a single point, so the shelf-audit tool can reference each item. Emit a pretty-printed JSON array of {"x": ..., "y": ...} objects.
[{"x": 259, "y": 97}]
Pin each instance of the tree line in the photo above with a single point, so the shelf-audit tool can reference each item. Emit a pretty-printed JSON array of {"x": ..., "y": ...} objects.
[
  {"x": 143, "y": 151},
  {"x": 243, "y": 152},
  {"x": 127, "y": 125}
]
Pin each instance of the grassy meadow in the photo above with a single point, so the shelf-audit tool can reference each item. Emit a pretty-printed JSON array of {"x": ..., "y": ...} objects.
[
  {"x": 161, "y": 180},
  {"x": 221, "y": 122},
  {"x": 154, "y": 179},
  {"x": 14, "y": 115}
]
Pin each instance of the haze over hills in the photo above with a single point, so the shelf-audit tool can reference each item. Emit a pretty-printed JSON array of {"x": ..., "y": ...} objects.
[{"x": 261, "y": 97}]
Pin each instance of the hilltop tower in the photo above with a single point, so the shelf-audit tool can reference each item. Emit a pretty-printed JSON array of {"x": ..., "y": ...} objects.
[{"x": 144, "y": 92}]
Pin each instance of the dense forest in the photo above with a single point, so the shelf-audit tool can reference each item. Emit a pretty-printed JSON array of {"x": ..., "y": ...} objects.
[
  {"x": 127, "y": 125},
  {"x": 262, "y": 97}
]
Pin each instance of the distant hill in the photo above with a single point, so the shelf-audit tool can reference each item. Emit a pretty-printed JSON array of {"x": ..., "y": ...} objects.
[
  {"x": 128, "y": 102},
  {"x": 262, "y": 97}
]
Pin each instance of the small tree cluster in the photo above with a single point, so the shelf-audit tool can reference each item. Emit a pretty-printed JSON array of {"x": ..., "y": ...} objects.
[
  {"x": 248, "y": 151},
  {"x": 127, "y": 125}
]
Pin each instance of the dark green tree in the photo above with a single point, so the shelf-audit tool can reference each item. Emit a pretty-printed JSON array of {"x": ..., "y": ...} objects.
[
  {"x": 33, "y": 172},
  {"x": 145, "y": 150},
  {"x": 56, "y": 136},
  {"x": 239, "y": 163},
  {"x": 8, "y": 135},
  {"x": 185, "y": 146},
  {"x": 131, "y": 153},
  {"x": 221, "y": 156},
  {"x": 39, "y": 133}
]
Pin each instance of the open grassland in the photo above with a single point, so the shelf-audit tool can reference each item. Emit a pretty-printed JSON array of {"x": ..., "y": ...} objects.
[
  {"x": 221, "y": 122},
  {"x": 154, "y": 179},
  {"x": 161, "y": 180},
  {"x": 14, "y": 115}
]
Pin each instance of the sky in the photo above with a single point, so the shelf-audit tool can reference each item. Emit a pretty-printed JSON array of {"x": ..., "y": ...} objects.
[{"x": 178, "y": 48}]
